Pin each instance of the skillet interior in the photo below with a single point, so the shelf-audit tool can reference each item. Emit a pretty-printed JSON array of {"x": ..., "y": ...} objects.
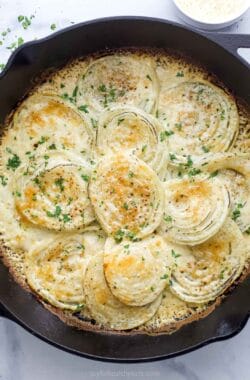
[{"x": 26, "y": 65}]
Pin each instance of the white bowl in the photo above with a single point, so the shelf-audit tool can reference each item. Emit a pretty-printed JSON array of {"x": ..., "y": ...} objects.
[{"x": 210, "y": 25}]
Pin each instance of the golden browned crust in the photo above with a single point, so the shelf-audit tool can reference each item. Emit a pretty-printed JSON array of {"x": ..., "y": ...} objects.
[{"x": 89, "y": 325}]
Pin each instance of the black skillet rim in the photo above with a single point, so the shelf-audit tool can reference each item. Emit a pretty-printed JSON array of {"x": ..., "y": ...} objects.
[{"x": 227, "y": 334}]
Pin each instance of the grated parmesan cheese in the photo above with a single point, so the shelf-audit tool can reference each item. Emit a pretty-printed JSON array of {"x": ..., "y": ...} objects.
[{"x": 212, "y": 11}]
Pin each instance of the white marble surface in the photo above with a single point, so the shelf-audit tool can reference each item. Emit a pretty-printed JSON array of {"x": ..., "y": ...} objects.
[{"x": 25, "y": 357}]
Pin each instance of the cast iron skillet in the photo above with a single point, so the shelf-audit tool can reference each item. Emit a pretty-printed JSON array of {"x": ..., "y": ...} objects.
[{"x": 27, "y": 63}]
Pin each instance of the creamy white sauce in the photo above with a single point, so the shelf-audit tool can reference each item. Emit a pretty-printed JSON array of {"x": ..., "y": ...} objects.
[{"x": 212, "y": 11}]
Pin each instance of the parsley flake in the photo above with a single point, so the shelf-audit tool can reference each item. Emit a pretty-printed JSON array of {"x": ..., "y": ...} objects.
[
  {"x": 14, "y": 162},
  {"x": 84, "y": 108},
  {"x": 59, "y": 183},
  {"x": 4, "y": 180},
  {"x": 164, "y": 277},
  {"x": 119, "y": 236},
  {"x": 205, "y": 149},
  {"x": 168, "y": 218},
  {"x": 119, "y": 121},
  {"x": 172, "y": 156},
  {"x": 165, "y": 134},
  {"x": 236, "y": 212},
  {"x": 56, "y": 213},
  {"x": 180, "y": 74},
  {"x": 85, "y": 177},
  {"x": 214, "y": 174},
  {"x": 66, "y": 218},
  {"x": 174, "y": 254}
]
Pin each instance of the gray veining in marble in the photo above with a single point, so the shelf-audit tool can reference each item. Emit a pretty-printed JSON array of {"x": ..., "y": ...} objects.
[{"x": 25, "y": 357}]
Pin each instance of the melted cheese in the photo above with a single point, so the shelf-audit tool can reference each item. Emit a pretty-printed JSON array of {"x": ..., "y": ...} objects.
[
  {"x": 195, "y": 209},
  {"x": 106, "y": 309},
  {"x": 138, "y": 272},
  {"x": 131, "y": 130},
  {"x": 54, "y": 193},
  {"x": 110, "y": 139},
  {"x": 121, "y": 79},
  {"x": 207, "y": 270},
  {"x": 127, "y": 196},
  {"x": 198, "y": 117}
]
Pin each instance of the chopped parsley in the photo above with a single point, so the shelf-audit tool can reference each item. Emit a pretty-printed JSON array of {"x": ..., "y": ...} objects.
[
  {"x": 172, "y": 156},
  {"x": 178, "y": 126},
  {"x": 149, "y": 77},
  {"x": 71, "y": 98},
  {"x": 167, "y": 218},
  {"x": 5, "y": 32},
  {"x": 94, "y": 123},
  {"x": 56, "y": 213},
  {"x": 53, "y": 26},
  {"x": 180, "y": 74},
  {"x": 222, "y": 115},
  {"x": 152, "y": 288},
  {"x": 42, "y": 140},
  {"x": 65, "y": 96},
  {"x": 132, "y": 236},
  {"x": 4, "y": 180},
  {"x": 214, "y": 174},
  {"x": 205, "y": 149},
  {"x": 75, "y": 91},
  {"x": 165, "y": 134},
  {"x": 143, "y": 149},
  {"x": 164, "y": 277},
  {"x": 194, "y": 172},
  {"x": 16, "y": 44},
  {"x": 119, "y": 121},
  {"x": 174, "y": 254},
  {"x": 52, "y": 147},
  {"x": 84, "y": 108},
  {"x": 102, "y": 88},
  {"x": 247, "y": 231},
  {"x": 66, "y": 218},
  {"x": 85, "y": 177},
  {"x": 25, "y": 21},
  {"x": 222, "y": 274},
  {"x": 14, "y": 162},
  {"x": 236, "y": 212},
  {"x": 46, "y": 158},
  {"x": 37, "y": 181},
  {"x": 125, "y": 206},
  {"x": 109, "y": 94},
  {"x": 131, "y": 174},
  {"x": 59, "y": 183},
  {"x": 119, "y": 236},
  {"x": 81, "y": 246},
  {"x": 189, "y": 161}
]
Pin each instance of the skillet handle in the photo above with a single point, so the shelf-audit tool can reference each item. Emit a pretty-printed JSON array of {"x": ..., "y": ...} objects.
[
  {"x": 231, "y": 42},
  {"x": 4, "y": 313}
]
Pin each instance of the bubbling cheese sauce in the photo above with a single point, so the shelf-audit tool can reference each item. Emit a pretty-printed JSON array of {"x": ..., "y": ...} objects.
[{"x": 212, "y": 11}]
